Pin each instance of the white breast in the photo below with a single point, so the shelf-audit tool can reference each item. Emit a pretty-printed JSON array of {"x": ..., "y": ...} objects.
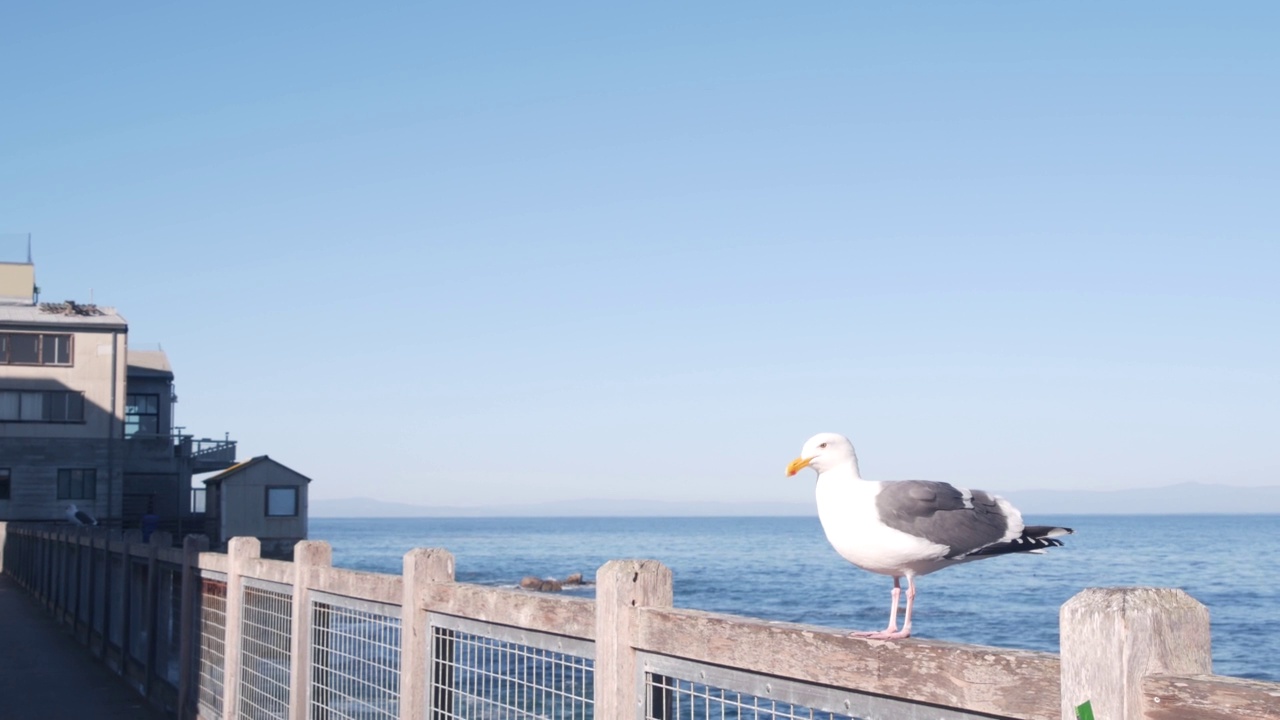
[{"x": 847, "y": 509}]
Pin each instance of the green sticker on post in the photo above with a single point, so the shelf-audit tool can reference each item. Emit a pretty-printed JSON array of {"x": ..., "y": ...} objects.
[{"x": 1085, "y": 711}]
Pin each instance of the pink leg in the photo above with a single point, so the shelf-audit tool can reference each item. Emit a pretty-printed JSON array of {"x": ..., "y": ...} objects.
[
  {"x": 892, "y": 633},
  {"x": 893, "y": 612}
]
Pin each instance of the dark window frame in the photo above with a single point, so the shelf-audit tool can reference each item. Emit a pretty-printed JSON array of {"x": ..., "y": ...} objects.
[
  {"x": 6, "y": 483},
  {"x": 71, "y": 402},
  {"x": 47, "y": 349},
  {"x": 266, "y": 500},
  {"x": 83, "y": 481},
  {"x": 135, "y": 418}
]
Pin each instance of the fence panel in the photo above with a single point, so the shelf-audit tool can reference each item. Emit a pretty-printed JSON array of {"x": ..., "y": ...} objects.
[
  {"x": 675, "y": 689},
  {"x": 265, "y": 654},
  {"x": 355, "y": 659},
  {"x": 213, "y": 643},
  {"x": 483, "y": 670}
]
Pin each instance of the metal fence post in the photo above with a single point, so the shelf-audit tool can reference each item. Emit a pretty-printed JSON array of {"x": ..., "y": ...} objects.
[
  {"x": 1112, "y": 637},
  {"x": 308, "y": 556},
  {"x": 622, "y": 587},
  {"x": 241, "y": 553},
  {"x": 422, "y": 567}
]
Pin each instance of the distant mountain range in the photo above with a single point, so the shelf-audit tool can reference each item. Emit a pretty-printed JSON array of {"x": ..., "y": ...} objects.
[{"x": 1184, "y": 498}]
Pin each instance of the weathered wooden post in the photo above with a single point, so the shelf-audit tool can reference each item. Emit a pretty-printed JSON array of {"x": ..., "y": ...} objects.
[
  {"x": 308, "y": 556},
  {"x": 422, "y": 568},
  {"x": 1112, "y": 637},
  {"x": 622, "y": 588},
  {"x": 150, "y": 616},
  {"x": 188, "y": 630},
  {"x": 241, "y": 553}
]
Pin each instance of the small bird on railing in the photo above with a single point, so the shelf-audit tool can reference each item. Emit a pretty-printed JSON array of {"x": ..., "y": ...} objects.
[
  {"x": 79, "y": 517},
  {"x": 907, "y": 528}
]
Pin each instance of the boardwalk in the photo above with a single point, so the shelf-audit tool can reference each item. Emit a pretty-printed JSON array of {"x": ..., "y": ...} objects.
[{"x": 47, "y": 675}]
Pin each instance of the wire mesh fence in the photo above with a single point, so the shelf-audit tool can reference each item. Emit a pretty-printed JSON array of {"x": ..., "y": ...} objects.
[
  {"x": 265, "y": 629},
  {"x": 480, "y": 670},
  {"x": 213, "y": 638},
  {"x": 677, "y": 689},
  {"x": 355, "y": 659}
]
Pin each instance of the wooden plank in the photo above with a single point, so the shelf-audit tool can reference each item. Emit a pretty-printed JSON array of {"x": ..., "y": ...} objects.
[
  {"x": 1112, "y": 637},
  {"x": 379, "y": 587},
  {"x": 424, "y": 568},
  {"x": 1209, "y": 697},
  {"x": 573, "y": 617},
  {"x": 216, "y": 562},
  {"x": 1008, "y": 683},
  {"x": 280, "y": 571},
  {"x": 624, "y": 588}
]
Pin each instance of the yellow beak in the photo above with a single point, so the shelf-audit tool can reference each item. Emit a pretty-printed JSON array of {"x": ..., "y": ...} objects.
[{"x": 797, "y": 465}]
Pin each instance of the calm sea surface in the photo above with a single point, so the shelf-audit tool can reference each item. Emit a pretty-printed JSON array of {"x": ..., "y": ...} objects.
[{"x": 783, "y": 569}]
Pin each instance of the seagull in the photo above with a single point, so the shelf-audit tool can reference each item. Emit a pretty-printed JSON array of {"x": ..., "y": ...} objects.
[
  {"x": 79, "y": 517},
  {"x": 907, "y": 528}
]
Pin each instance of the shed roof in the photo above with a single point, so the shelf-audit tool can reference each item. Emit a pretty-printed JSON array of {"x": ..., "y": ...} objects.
[{"x": 242, "y": 466}]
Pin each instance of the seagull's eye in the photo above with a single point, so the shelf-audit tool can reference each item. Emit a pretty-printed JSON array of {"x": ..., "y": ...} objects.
[{"x": 822, "y": 446}]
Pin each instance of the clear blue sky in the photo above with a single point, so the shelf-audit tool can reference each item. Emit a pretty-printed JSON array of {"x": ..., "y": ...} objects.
[{"x": 524, "y": 251}]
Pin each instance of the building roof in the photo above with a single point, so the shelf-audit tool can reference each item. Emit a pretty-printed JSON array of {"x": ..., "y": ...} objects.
[
  {"x": 154, "y": 363},
  {"x": 66, "y": 315},
  {"x": 242, "y": 466}
]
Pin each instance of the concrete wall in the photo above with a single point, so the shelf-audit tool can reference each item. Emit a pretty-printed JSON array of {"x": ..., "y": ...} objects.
[
  {"x": 35, "y": 451},
  {"x": 242, "y": 505},
  {"x": 94, "y": 355},
  {"x": 34, "y": 463}
]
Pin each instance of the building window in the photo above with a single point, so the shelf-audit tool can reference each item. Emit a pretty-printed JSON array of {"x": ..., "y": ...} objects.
[
  {"x": 77, "y": 484},
  {"x": 282, "y": 501},
  {"x": 141, "y": 415},
  {"x": 58, "y": 406},
  {"x": 6, "y": 478},
  {"x": 35, "y": 349}
]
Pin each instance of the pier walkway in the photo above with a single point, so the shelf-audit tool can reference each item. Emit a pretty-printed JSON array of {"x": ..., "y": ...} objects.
[{"x": 46, "y": 675}]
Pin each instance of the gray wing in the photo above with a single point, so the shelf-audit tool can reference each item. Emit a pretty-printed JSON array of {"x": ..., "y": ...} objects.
[{"x": 942, "y": 514}]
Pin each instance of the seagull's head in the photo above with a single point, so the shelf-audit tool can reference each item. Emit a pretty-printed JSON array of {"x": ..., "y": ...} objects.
[{"x": 823, "y": 452}]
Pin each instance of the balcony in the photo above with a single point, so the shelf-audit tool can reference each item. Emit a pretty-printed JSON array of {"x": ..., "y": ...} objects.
[{"x": 211, "y": 455}]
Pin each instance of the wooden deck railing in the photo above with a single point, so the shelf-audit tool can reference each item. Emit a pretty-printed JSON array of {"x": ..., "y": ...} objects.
[{"x": 209, "y": 635}]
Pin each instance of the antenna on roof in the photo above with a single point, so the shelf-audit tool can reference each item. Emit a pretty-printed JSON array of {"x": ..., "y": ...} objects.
[{"x": 29, "y": 249}]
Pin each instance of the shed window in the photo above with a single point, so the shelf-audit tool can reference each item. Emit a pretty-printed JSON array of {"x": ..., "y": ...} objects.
[{"x": 282, "y": 501}]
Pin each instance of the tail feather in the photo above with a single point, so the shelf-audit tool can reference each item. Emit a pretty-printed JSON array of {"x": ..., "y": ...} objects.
[{"x": 1034, "y": 539}]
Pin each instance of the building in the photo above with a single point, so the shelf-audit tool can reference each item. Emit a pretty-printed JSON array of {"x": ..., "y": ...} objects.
[
  {"x": 84, "y": 419},
  {"x": 258, "y": 498}
]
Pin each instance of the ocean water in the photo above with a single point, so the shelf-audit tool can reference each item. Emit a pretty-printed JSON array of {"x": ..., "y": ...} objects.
[{"x": 783, "y": 569}]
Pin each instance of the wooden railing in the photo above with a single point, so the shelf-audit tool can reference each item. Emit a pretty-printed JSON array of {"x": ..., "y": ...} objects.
[{"x": 212, "y": 635}]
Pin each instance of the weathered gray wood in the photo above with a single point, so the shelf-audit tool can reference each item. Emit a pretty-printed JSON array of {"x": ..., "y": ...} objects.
[
  {"x": 1009, "y": 683},
  {"x": 242, "y": 554},
  {"x": 149, "y": 614},
  {"x": 379, "y": 587},
  {"x": 308, "y": 556},
  {"x": 279, "y": 571},
  {"x": 572, "y": 617},
  {"x": 1209, "y": 697},
  {"x": 623, "y": 589},
  {"x": 188, "y": 640},
  {"x": 425, "y": 570},
  {"x": 1112, "y": 637}
]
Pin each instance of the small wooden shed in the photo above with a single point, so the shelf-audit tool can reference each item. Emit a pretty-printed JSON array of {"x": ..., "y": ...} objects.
[{"x": 259, "y": 498}]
